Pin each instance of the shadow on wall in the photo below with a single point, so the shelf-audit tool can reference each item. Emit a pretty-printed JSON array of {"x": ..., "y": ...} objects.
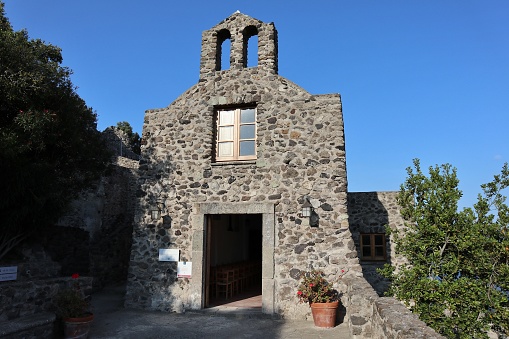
[
  {"x": 94, "y": 238},
  {"x": 69, "y": 246},
  {"x": 110, "y": 244},
  {"x": 367, "y": 217},
  {"x": 150, "y": 281}
]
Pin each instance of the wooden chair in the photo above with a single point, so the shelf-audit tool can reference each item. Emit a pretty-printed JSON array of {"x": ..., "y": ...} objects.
[
  {"x": 237, "y": 279},
  {"x": 212, "y": 281},
  {"x": 243, "y": 276},
  {"x": 225, "y": 282}
]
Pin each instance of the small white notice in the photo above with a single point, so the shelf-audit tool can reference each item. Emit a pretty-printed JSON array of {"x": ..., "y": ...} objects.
[
  {"x": 8, "y": 273},
  {"x": 184, "y": 269},
  {"x": 167, "y": 254}
]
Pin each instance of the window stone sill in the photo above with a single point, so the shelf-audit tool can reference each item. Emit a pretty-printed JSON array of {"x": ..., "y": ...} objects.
[{"x": 234, "y": 163}]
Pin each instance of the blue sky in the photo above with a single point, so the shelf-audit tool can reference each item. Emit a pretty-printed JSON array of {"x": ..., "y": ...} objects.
[{"x": 418, "y": 79}]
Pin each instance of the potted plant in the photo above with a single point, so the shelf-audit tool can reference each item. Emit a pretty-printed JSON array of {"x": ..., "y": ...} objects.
[
  {"x": 321, "y": 296},
  {"x": 74, "y": 309}
]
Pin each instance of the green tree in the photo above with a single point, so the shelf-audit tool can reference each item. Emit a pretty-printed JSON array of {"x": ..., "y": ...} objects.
[
  {"x": 134, "y": 138},
  {"x": 50, "y": 148},
  {"x": 458, "y": 261}
]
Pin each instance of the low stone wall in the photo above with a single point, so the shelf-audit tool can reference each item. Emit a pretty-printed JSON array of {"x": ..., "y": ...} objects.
[
  {"x": 33, "y": 263},
  {"x": 371, "y": 316},
  {"x": 25, "y": 298},
  {"x": 35, "y": 326}
]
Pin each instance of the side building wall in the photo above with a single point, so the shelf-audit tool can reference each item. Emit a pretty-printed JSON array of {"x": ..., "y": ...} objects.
[
  {"x": 368, "y": 314},
  {"x": 368, "y": 213}
]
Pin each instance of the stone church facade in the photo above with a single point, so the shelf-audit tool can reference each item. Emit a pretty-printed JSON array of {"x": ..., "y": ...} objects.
[{"x": 226, "y": 172}]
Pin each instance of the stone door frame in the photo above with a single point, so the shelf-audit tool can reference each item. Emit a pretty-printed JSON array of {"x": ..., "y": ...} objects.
[{"x": 198, "y": 223}]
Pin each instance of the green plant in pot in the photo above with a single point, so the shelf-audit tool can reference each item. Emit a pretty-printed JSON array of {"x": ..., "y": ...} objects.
[
  {"x": 71, "y": 304},
  {"x": 321, "y": 296},
  {"x": 74, "y": 309}
]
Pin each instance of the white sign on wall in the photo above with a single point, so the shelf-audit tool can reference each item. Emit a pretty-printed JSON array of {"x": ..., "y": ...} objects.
[
  {"x": 169, "y": 254},
  {"x": 8, "y": 273},
  {"x": 184, "y": 269}
]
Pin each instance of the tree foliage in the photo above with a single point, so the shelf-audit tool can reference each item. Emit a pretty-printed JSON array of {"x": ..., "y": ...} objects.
[
  {"x": 457, "y": 276},
  {"x": 134, "y": 138},
  {"x": 50, "y": 148}
]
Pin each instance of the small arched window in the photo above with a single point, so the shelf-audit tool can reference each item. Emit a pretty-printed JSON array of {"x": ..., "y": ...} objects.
[
  {"x": 223, "y": 50},
  {"x": 250, "y": 48}
]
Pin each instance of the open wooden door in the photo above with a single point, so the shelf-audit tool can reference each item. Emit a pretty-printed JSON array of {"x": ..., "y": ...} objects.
[{"x": 208, "y": 243}]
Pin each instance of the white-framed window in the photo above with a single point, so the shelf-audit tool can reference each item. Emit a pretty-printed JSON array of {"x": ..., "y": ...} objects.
[
  {"x": 235, "y": 134},
  {"x": 373, "y": 246}
]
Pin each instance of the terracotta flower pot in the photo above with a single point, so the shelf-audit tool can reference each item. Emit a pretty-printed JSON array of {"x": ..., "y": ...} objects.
[
  {"x": 77, "y": 327},
  {"x": 324, "y": 314}
]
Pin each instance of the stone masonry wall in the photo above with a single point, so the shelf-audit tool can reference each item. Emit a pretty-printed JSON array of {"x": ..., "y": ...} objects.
[
  {"x": 110, "y": 248},
  {"x": 23, "y": 298},
  {"x": 371, "y": 212},
  {"x": 300, "y": 152},
  {"x": 99, "y": 224},
  {"x": 99, "y": 227}
]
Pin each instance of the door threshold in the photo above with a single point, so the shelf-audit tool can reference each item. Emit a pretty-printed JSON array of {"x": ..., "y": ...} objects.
[{"x": 237, "y": 312}]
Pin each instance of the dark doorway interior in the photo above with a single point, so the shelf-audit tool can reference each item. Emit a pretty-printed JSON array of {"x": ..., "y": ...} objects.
[{"x": 234, "y": 260}]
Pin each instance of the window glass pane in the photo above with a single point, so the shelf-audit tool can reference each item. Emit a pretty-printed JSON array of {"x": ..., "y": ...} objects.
[
  {"x": 379, "y": 239},
  {"x": 379, "y": 251},
  {"x": 247, "y": 147},
  {"x": 366, "y": 239},
  {"x": 226, "y": 117},
  {"x": 366, "y": 251},
  {"x": 247, "y": 131},
  {"x": 247, "y": 115},
  {"x": 225, "y": 149},
  {"x": 226, "y": 133}
]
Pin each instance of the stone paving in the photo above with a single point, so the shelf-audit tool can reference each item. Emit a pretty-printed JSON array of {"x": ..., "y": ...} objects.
[{"x": 113, "y": 321}]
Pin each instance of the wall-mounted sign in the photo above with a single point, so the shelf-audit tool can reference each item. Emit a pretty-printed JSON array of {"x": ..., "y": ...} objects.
[
  {"x": 167, "y": 254},
  {"x": 8, "y": 273},
  {"x": 184, "y": 269}
]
